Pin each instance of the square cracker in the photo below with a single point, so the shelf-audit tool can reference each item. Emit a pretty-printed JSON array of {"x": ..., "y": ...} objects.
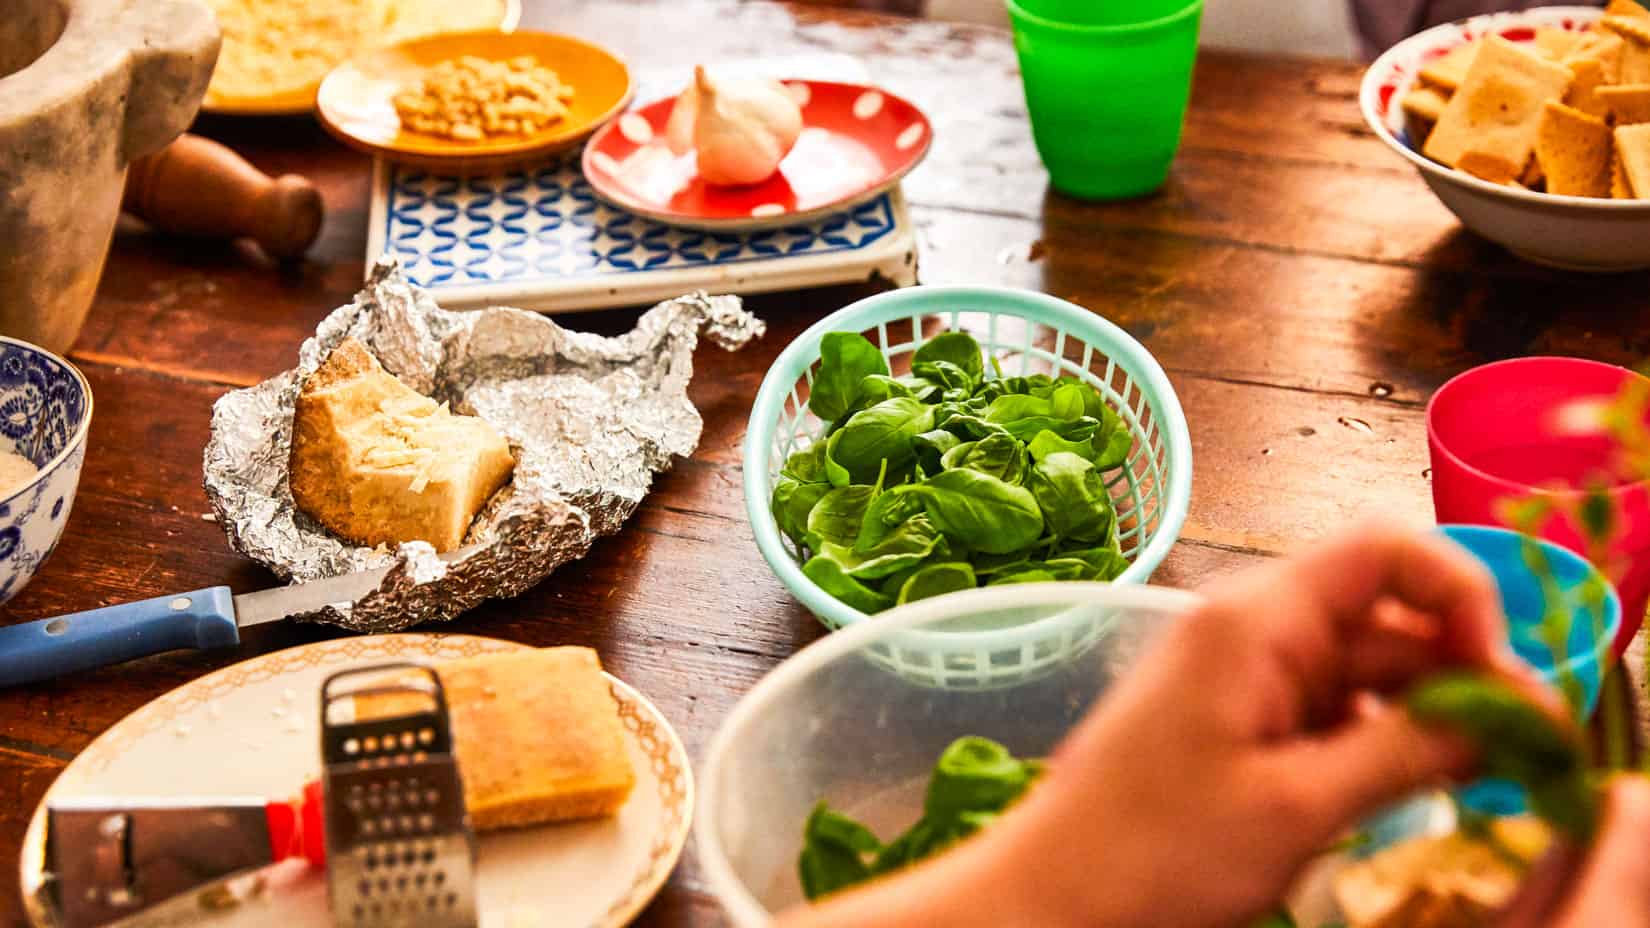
[
  {"x": 1574, "y": 150},
  {"x": 1422, "y": 107},
  {"x": 1606, "y": 48},
  {"x": 1626, "y": 8},
  {"x": 1489, "y": 166},
  {"x": 1448, "y": 70},
  {"x": 1629, "y": 104},
  {"x": 1556, "y": 43},
  {"x": 1618, "y": 180},
  {"x": 1633, "y": 147},
  {"x": 1497, "y": 110},
  {"x": 1635, "y": 54},
  {"x": 1583, "y": 95}
]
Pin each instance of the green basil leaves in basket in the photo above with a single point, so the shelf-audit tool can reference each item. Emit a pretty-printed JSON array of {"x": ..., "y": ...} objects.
[
  {"x": 950, "y": 477},
  {"x": 973, "y": 782}
]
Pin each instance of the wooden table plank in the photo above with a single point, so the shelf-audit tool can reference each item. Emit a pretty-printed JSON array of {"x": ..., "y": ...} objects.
[{"x": 1290, "y": 271}]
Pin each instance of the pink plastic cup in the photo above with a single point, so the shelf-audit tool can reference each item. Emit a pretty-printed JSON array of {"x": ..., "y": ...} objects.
[{"x": 1494, "y": 435}]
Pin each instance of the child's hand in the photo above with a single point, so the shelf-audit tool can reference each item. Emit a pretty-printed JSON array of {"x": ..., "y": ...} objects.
[
  {"x": 1254, "y": 735},
  {"x": 1607, "y": 886}
]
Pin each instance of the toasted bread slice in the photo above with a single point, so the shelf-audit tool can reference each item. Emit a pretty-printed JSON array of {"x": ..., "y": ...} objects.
[
  {"x": 1497, "y": 110},
  {"x": 1448, "y": 70},
  {"x": 1574, "y": 151},
  {"x": 538, "y": 737},
  {"x": 1633, "y": 148},
  {"x": 379, "y": 464}
]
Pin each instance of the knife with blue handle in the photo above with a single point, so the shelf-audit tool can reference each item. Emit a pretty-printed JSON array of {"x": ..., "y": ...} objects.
[{"x": 209, "y": 618}]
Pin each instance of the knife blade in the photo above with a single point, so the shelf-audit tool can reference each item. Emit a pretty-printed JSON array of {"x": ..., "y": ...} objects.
[{"x": 207, "y": 618}]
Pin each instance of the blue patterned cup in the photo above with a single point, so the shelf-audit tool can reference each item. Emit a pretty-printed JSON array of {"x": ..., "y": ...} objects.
[{"x": 45, "y": 412}]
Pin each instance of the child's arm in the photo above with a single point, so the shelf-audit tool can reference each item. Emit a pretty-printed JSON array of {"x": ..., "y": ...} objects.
[{"x": 1253, "y": 734}]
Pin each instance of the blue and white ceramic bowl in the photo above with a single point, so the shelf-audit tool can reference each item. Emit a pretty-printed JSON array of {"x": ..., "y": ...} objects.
[{"x": 45, "y": 412}]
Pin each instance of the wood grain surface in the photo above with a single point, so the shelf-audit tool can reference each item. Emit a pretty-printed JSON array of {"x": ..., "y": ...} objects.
[{"x": 1299, "y": 283}]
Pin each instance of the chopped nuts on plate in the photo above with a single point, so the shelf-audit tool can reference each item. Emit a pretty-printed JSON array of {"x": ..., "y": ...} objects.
[
  {"x": 472, "y": 98},
  {"x": 474, "y": 101}
]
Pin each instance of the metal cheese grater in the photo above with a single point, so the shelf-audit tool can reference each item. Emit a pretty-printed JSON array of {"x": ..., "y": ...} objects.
[{"x": 399, "y": 846}]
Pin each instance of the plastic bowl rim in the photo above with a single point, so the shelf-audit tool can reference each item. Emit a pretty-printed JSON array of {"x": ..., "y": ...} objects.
[
  {"x": 1602, "y": 645},
  {"x": 729, "y": 890},
  {"x": 1023, "y": 15}
]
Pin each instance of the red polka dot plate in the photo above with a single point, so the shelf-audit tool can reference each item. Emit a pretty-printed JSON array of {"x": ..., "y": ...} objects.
[{"x": 856, "y": 143}]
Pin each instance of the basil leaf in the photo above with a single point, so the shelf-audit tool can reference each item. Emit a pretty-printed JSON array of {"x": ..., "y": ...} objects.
[
  {"x": 837, "y": 516},
  {"x": 1516, "y": 741},
  {"x": 1047, "y": 442},
  {"x": 1104, "y": 563},
  {"x": 792, "y": 503},
  {"x": 952, "y": 359},
  {"x": 973, "y": 782},
  {"x": 833, "y": 852},
  {"x": 908, "y": 545},
  {"x": 931, "y": 445},
  {"x": 979, "y": 510},
  {"x": 807, "y": 466},
  {"x": 1072, "y": 496},
  {"x": 834, "y": 580},
  {"x": 999, "y": 455},
  {"x": 1026, "y": 574},
  {"x": 1015, "y": 406},
  {"x": 886, "y": 512},
  {"x": 884, "y": 432},
  {"x": 936, "y": 580},
  {"x": 976, "y": 775},
  {"x": 1068, "y": 401},
  {"x": 846, "y": 359},
  {"x": 1112, "y": 440}
]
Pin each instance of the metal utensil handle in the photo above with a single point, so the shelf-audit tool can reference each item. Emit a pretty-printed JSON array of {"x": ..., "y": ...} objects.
[{"x": 66, "y": 644}]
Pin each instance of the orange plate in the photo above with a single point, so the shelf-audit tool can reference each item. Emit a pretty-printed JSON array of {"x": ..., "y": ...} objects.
[
  {"x": 300, "y": 102},
  {"x": 354, "y": 102}
]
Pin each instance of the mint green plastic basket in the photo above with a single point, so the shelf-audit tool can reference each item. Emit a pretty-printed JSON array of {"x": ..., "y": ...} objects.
[{"x": 1027, "y": 333}]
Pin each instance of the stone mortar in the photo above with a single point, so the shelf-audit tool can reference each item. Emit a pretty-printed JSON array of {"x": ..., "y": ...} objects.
[{"x": 85, "y": 87}]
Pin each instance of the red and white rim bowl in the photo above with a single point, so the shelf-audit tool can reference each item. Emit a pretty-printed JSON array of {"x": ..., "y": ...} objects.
[
  {"x": 857, "y": 142},
  {"x": 1578, "y": 233}
]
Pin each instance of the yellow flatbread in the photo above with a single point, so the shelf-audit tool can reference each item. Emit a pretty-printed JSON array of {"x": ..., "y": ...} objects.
[
  {"x": 1497, "y": 110},
  {"x": 1633, "y": 147},
  {"x": 1583, "y": 95},
  {"x": 1448, "y": 70},
  {"x": 1574, "y": 150}
]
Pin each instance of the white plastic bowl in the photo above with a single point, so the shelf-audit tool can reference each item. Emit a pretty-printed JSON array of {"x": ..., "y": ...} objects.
[
  {"x": 1574, "y": 233},
  {"x": 832, "y": 723}
]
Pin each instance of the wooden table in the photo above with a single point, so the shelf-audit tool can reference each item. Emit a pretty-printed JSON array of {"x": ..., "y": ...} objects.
[{"x": 1301, "y": 286}]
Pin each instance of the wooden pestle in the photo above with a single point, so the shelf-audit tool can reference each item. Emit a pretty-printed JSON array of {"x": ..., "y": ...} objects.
[{"x": 196, "y": 186}]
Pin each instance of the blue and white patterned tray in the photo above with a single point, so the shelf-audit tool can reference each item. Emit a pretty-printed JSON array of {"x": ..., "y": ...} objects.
[{"x": 542, "y": 240}]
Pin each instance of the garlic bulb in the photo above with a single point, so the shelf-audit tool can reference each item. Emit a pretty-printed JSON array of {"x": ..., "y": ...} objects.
[{"x": 740, "y": 128}]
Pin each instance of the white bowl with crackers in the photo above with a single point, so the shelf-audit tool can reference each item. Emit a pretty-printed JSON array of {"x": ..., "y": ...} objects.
[{"x": 1533, "y": 127}]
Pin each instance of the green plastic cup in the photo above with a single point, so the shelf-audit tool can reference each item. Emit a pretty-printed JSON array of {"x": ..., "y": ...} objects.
[
  {"x": 1102, "y": 12},
  {"x": 1107, "y": 102}
]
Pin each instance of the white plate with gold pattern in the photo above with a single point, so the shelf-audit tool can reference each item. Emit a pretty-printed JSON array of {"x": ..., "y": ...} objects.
[{"x": 252, "y": 729}]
